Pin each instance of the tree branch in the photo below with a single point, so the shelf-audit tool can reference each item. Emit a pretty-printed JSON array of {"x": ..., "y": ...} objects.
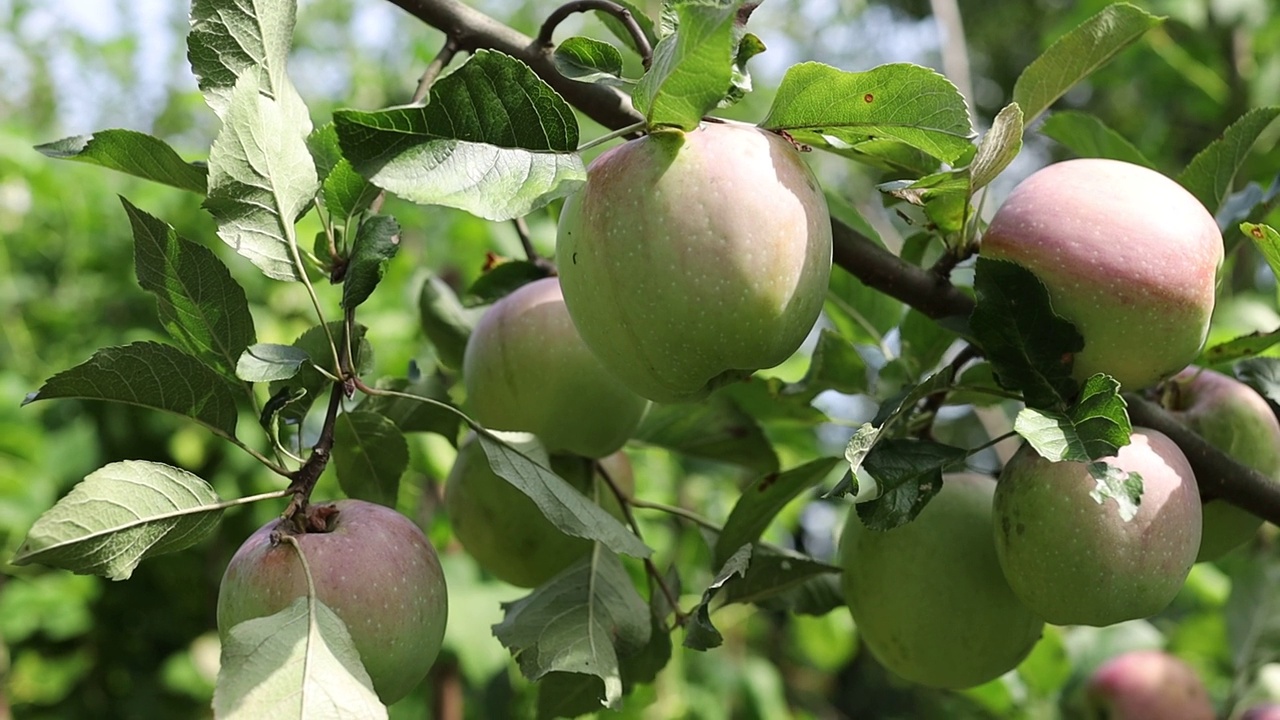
[{"x": 1219, "y": 475}]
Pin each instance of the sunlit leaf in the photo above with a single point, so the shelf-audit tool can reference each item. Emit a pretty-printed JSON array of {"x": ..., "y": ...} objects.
[
  {"x": 692, "y": 70},
  {"x": 1209, "y": 174},
  {"x": 131, "y": 152}
]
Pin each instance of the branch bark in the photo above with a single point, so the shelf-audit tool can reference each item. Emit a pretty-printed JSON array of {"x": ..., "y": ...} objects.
[{"x": 1218, "y": 475}]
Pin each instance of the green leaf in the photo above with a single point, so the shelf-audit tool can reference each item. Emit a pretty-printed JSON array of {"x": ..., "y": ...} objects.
[
  {"x": 692, "y": 69},
  {"x": 415, "y": 415},
  {"x": 151, "y": 375},
  {"x": 823, "y": 106},
  {"x": 944, "y": 197},
  {"x": 1268, "y": 242},
  {"x": 924, "y": 341},
  {"x": 370, "y": 454},
  {"x": 748, "y": 46},
  {"x": 569, "y": 695},
  {"x": 909, "y": 474},
  {"x": 1095, "y": 427},
  {"x": 1242, "y": 347},
  {"x": 715, "y": 429},
  {"x": 1252, "y": 614},
  {"x": 445, "y": 322},
  {"x": 859, "y": 311},
  {"x": 1209, "y": 174},
  {"x": 201, "y": 306},
  {"x": 261, "y": 175},
  {"x": 1087, "y": 136},
  {"x": 495, "y": 140},
  {"x": 588, "y": 60},
  {"x": 375, "y": 245},
  {"x": 566, "y": 508},
  {"x": 580, "y": 621},
  {"x": 299, "y": 663},
  {"x": 998, "y": 148},
  {"x": 761, "y": 501},
  {"x": 346, "y": 193},
  {"x": 1076, "y": 55},
  {"x": 1261, "y": 374},
  {"x": 834, "y": 365},
  {"x": 268, "y": 362},
  {"x": 309, "y": 383},
  {"x": 229, "y": 38},
  {"x": 977, "y": 386},
  {"x": 855, "y": 451},
  {"x": 700, "y": 634},
  {"x": 131, "y": 152},
  {"x": 1028, "y": 345},
  {"x": 120, "y": 515},
  {"x": 501, "y": 280},
  {"x": 772, "y": 574},
  {"x": 1124, "y": 488}
]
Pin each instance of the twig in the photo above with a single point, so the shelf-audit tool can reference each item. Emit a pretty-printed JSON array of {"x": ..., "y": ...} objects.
[
  {"x": 680, "y": 512},
  {"x": 624, "y": 16},
  {"x": 437, "y": 66},
  {"x": 522, "y": 231},
  {"x": 306, "y": 477}
]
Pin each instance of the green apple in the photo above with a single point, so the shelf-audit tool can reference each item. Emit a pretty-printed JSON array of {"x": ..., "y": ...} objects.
[
  {"x": 1128, "y": 256},
  {"x": 692, "y": 259},
  {"x": 929, "y": 598},
  {"x": 1148, "y": 685},
  {"x": 1074, "y": 559},
  {"x": 505, "y": 531},
  {"x": 372, "y": 566},
  {"x": 1235, "y": 419},
  {"x": 526, "y": 369}
]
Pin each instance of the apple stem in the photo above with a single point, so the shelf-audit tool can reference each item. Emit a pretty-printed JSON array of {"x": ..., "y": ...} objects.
[{"x": 624, "y": 16}]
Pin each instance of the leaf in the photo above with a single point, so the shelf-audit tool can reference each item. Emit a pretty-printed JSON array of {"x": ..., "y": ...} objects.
[
  {"x": 580, "y": 621},
  {"x": 700, "y": 634},
  {"x": 299, "y": 663},
  {"x": 119, "y": 515},
  {"x": 229, "y": 38},
  {"x": 924, "y": 341},
  {"x": 588, "y": 60},
  {"x": 761, "y": 501},
  {"x": 444, "y": 321},
  {"x": 1263, "y": 375},
  {"x": 855, "y": 451},
  {"x": 375, "y": 245},
  {"x": 944, "y": 197},
  {"x": 859, "y": 311},
  {"x": 638, "y": 14},
  {"x": 346, "y": 193},
  {"x": 370, "y": 454},
  {"x": 1076, "y": 55},
  {"x": 566, "y": 508},
  {"x": 130, "y": 152},
  {"x": 309, "y": 382},
  {"x": 268, "y": 362},
  {"x": 415, "y": 415},
  {"x": 772, "y": 574},
  {"x": 1030, "y": 347},
  {"x": 1087, "y": 136},
  {"x": 1252, "y": 615},
  {"x": 1095, "y": 427},
  {"x": 502, "y": 280},
  {"x": 148, "y": 374},
  {"x": 909, "y": 473},
  {"x": 1267, "y": 240},
  {"x": 715, "y": 429},
  {"x": 201, "y": 306},
  {"x": 1209, "y": 174},
  {"x": 569, "y": 695},
  {"x": 899, "y": 406},
  {"x": 1124, "y": 488},
  {"x": 747, "y": 47},
  {"x": 998, "y": 148},
  {"x": 834, "y": 365},
  {"x": 495, "y": 140},
  {"x": 823, "y": 106},
  {"x": 1242, "y": 347},
  {"x": 692, "y": 69},
  {"x": 261, "y": 175}
]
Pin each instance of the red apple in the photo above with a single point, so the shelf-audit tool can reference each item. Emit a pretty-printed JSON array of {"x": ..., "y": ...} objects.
[
  {"x": 373, "y": 567},
  {"x": 1127, "y": 255},
  {"x": 1148, "y": 685}
]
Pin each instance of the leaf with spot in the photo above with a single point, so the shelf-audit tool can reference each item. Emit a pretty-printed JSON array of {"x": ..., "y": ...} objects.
[
  {"x": 201, "y": 306},
  {"x": 1267, "y": 240},
  {"x": 375, "y": 245},
  {"x": 131, "y": 152},
  {"x": 120, "y": 515},
  {"x": 762, "y": 500}
]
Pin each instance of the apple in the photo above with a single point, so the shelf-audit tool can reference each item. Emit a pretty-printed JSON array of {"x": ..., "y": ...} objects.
[
  {"x": 929, "y": 598},
  {"x": 1148, "y": 685},
  {"x": 1127, "y": 255},
  {"x": 1074, "y": 559},
  {"x": 371, "y": 565},
  {"x": 1270, "y": 711},
  {"x": 526, "y": 369},
  {"x": 692, "y": 259},
  {"x": 505, "y": 532},
  {"x": 1235, "y": 419}
]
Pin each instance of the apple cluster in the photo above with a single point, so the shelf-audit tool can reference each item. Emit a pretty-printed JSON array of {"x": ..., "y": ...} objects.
[{"x": 958, "y": 597}]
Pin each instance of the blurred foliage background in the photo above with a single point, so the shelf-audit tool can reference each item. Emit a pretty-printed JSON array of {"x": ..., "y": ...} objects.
[{"x": 81, "y": 647}]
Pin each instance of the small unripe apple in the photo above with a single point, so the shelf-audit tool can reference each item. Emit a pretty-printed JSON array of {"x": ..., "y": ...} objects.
[
  {"x": 527, "y": 369},
  {"x": 928, "y": 597},
  {"x": 1077, "y": 561},
  {"x": 505, "y": 532},
  {"x": 1148, "y": 685},
  {"x": 692, "y": 259},
  {"x": 1127, "y": 255},
  {"x": 1235, "y": 419},
  {"x": 373, "y": 567}
]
